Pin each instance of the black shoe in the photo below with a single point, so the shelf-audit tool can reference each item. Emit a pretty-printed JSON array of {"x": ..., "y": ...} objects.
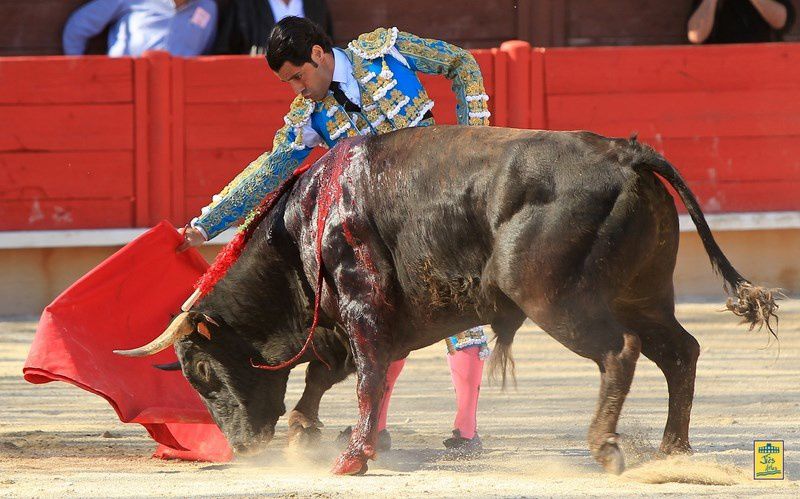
[
  {"x": 383, "y": 444},
  {"x": 462, "y": 445}
]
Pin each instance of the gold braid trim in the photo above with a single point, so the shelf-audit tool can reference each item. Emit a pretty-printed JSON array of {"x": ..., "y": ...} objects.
[{"x": 375, "y": 43}]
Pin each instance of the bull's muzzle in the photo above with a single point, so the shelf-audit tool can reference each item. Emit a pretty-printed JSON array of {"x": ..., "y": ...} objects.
[{"x": 178, "y": 328}]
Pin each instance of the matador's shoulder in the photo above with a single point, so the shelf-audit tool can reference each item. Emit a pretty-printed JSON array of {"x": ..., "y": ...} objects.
[
  {"x": 375, "y": 43},
  {"x": 299, "y": 111}
]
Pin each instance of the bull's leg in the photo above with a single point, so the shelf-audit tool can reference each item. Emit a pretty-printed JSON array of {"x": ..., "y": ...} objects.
[
  {"x": 675, "y": 352},
  {"x": 590, "y": 330},
  {"x": 360, "y": 266},
  {"x": 304, "y": 423},
  {"x": 372, "y": 361},
  {"x": 616, "y": 374}
]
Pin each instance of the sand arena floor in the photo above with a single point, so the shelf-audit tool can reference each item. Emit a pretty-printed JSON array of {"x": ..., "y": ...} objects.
[{"x": 56, "y": 440}]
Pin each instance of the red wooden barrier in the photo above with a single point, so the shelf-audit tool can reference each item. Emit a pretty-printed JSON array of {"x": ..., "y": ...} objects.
[
  {"x": 96, "y": 142},
  {"x": 727, "y": 116},
  {"x": 66, "y": 143}
]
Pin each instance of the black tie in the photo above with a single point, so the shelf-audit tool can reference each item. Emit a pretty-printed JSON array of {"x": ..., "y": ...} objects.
[{"x": 342, "y": 99}]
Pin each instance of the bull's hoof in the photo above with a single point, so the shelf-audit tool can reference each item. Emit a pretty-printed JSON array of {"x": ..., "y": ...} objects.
[
  {"x": 610, "y": 456},
  {"x": 348, "y": 464},
  {"x": 303, "y": 432},
  {"x": 304, "y": 437},
  {"x": 674, "y": 446}
]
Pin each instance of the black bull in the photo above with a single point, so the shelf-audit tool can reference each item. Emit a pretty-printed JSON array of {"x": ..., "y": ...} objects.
[{"x": 434, "y": 230}]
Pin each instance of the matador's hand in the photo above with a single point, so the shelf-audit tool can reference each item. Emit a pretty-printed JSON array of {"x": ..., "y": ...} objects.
[{"x": 191, "y": 237}]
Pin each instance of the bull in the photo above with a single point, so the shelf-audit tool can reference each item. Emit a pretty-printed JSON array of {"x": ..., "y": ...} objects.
[{"x": 423, "y": 232}]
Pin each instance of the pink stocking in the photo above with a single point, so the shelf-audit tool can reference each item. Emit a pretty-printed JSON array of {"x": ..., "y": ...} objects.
[
  {"x": 466, "y": 369},
  {"x": 391, "y": 376}
]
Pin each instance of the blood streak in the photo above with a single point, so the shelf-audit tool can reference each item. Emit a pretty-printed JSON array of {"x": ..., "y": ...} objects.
[{"x": 330, "y": 192}]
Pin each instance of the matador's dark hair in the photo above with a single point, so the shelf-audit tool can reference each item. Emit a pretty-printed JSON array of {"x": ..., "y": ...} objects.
[{"x": 292, "y": 39}]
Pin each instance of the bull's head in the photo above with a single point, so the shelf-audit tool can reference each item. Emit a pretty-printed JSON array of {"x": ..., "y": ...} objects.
[{"x": 244, "y": 402}]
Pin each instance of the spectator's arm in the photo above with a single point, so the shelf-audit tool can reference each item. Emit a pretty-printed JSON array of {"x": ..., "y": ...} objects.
[
  {"x": 457, "y": 65},
  {"x": 773, "y": 12},
  {"x": 263, "y": 175},
  {"x": 702, "y": 21},
  {"x": 88, "y": 21}
]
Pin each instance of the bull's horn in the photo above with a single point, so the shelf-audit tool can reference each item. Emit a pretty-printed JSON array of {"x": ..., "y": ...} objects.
[
  {"x": 189, "y": 303},
  {"x": 178, "y": 328}
]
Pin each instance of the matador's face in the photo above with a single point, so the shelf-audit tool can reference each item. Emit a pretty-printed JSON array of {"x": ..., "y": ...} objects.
[{"x": 311, "y": 79}]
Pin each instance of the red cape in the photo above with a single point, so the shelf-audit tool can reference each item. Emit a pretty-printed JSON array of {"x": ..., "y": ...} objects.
[{"x": 123, "y": 303}]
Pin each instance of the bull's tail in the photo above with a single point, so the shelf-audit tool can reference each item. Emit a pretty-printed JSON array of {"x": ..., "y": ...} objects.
[
  {"x": 756, "y": 305},
  {"x": 501, "y": 360}
]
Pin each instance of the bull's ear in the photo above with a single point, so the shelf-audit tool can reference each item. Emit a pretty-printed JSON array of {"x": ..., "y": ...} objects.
[
  {"x": 203, "y": 330},
  {"x": 208, "y": 319}
]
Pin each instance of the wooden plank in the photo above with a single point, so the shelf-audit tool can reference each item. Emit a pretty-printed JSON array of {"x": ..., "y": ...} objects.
[
  {"x": 498, "y": 99},
  {"x": 65, "y": 214},
  {"x": 538, "y": 102},
  {"x": 485, "y": 59},
  {"x": 732, "y": 159},
  {"x": 159, "y": 129},
  {"x": 624, "y": 70},
  {"x": 210, "y": 171},
  {"x": 178, "y": 142},
  {"x": 72, "y": 175},
  {"x": 519, "y": 84},
  {"x": 233, "y": 79},
  {"x": 236, "y": 125},
  {"x": 65, "y": 80},
  {"x": 142, "y": 148},
  {"x": 685, "y": 114},
  {"x": 104, "y": 127}
]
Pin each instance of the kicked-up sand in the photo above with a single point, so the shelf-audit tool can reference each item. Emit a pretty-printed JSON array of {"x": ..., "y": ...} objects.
[{"x": 57, "y": 440}]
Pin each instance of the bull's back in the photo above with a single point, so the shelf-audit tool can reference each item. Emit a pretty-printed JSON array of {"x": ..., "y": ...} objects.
[{"x": 442, "y": 197}]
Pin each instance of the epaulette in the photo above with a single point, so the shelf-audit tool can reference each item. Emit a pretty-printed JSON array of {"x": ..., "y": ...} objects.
[
  {"x": 374, "y": 44},
  {"x": 299, "y": 112}
]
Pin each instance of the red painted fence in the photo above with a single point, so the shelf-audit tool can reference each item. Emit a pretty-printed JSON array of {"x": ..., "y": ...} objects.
[{"x": 95, "y": 142}]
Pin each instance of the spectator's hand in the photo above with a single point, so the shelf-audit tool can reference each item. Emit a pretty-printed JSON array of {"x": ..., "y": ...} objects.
[
  {"x": 702, "y": 21},
  {"x": 191, "y": 238},
  {"x": 773, "y": 12}
]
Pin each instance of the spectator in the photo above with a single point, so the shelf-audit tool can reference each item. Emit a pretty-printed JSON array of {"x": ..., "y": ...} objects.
[
  {"x": 739, "y": 21},
  {"x": 181, "y": 27},
  {"x": 245, "y": 25}
]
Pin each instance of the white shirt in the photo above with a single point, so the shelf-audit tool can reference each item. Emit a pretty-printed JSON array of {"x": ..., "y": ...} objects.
[
  {"x": 343, "y": 74},
  {"x": 281, "y": 10}
]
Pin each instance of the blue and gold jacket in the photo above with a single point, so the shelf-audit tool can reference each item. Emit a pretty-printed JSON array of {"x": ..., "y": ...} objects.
[{"x": 392, "y": 97}]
